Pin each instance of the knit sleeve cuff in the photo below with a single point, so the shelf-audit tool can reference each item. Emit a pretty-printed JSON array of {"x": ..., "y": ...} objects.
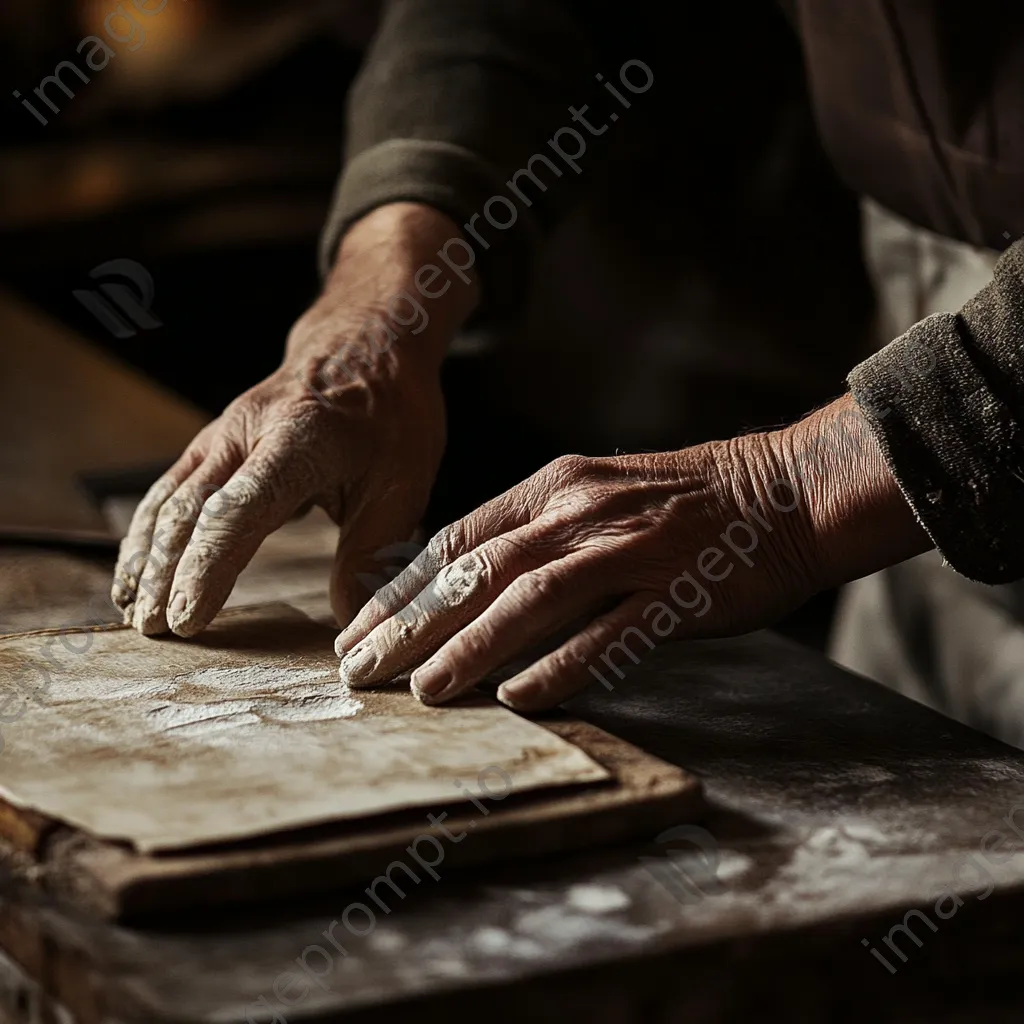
[{"x": 952, "y": 444}]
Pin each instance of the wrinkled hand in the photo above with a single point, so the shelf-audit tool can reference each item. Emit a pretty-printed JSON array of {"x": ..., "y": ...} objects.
[
  {"x": 641, "y": 548},
  {"x": 361, "y": 436},
  {"x": 715, "y": 540},
  {"x": 369, "y": 460}
]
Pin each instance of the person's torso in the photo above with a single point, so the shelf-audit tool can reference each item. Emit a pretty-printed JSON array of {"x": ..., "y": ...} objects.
[{"x": 920, "y": 104}]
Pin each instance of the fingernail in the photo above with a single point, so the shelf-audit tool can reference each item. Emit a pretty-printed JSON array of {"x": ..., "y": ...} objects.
[
  {"x": 125, "y": 577},
  {"x": 345, "y": 638},
  {"x": 357, "y": 666},
  {"x": 176, "y": 609},
  {"x": 149, "y": 619},
  {"x": 513, "y": 696},
  {"x": 140, "y": 614},
  {"x": 430, "y": 679},
  {"x": 121, "y": 594}
]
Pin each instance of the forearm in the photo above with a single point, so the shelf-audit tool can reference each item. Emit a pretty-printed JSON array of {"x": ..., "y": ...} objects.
[
  {"x": 398, "y": 291},
  {"x": 454, "y": 97},
  {"x": 851, "y": 517},
  {"x": 821, "y": 496}
]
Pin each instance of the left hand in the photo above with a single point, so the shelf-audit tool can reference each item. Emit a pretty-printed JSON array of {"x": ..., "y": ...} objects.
[
  {"x": 643, "y": 548},
  {"x": 714, "y": 540}
]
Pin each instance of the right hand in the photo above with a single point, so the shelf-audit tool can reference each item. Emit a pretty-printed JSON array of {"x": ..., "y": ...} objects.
[{"x": 362, "y": 438}]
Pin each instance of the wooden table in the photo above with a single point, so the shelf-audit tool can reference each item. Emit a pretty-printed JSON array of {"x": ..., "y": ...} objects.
[{"x": 838, "y": 809}]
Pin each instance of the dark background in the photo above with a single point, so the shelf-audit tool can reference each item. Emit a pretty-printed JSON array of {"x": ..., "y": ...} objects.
[{"x": 707, "y": 281}]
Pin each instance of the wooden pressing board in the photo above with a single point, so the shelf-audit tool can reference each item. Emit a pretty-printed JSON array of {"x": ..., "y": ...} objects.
[{"x": 593, "y": 789}]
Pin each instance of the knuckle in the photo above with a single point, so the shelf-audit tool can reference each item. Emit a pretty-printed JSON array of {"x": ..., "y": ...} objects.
[
  {"x": 561, "y": 665},
  {"x": 570, "y": 468},
  {"x": 454, "y": 540},
  {"x": 240, "y": 494},
  {"x": 438, "y": 549},
  {"x": 458, "y": 581},
  {"x": 537, "y": 588},
  {"x": 202, "y": 559},
  {"x": 486, "y": 562},
  {"x": 182, "y": 506},
  {"x": 161, "y": 540},
  {"x": 154, "y": 499},
  {"x": 216, "y": 504},
  {"x": 472, "y": 648},
  {"x": 406, "y": 617},
  {"x": 236, "y": 494}
]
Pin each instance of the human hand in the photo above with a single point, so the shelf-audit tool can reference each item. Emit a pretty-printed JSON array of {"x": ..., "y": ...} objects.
[
  {"x": 359, "y": 434},
  {"x": 717, "y": 539}
]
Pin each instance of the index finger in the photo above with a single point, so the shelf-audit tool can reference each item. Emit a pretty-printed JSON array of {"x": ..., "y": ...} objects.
[
  {"x": 460, "y": 592},
  {"x": 497, "y": 516}
]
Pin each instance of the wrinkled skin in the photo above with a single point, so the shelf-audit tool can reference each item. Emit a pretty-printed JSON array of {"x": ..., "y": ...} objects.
[
  {"x": 604, "y": 543},
  {"x": 594, "y": 546},
  {"x": 274, "y": 450},
  {"x": 361, "y": 437}
]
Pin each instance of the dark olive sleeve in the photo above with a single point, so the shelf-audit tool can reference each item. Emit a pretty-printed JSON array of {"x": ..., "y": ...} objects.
[
  {"x": 455, "y": 97},
  {"x": 946, "y": 401}
]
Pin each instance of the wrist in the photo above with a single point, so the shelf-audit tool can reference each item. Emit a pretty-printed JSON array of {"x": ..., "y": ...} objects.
[
  {"x": 396, "y": 290},
  {"x": 851, "y": 515}
]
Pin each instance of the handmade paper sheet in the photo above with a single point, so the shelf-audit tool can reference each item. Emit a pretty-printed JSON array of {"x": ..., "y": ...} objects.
[{"x": 242, "y": 731}]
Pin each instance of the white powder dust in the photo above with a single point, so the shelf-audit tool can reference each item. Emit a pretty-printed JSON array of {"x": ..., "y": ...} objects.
[
  {"x": 288, "y": 695},
  {"x": 597, "y": 899},
  {"x": 559, "y": 925},
  {"x": 311, "y": 709},
  {"x": 258, "y": 678},
  {"x": 217, "y": 723},
  {"x": 491, "y": 941},
  {"x": 174, "y": 716}
]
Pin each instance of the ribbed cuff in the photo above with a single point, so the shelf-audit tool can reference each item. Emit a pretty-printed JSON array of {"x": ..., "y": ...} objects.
[
  {"x": 452, "y": 180},
  {"x": 951, "y": 443}
]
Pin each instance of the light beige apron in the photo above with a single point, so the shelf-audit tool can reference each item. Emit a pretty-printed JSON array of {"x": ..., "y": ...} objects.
[{"x": 918, "y": 627}]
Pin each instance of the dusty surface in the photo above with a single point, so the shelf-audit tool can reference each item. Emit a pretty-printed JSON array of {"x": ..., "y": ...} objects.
[
  {"x": 170, "y": 744},
  {"x": 52, "y": 589},
  {"x": 40, "y": 589},
  {"x": 838, "y": 806}
]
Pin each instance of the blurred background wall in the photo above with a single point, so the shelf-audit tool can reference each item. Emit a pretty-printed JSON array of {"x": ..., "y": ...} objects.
[{"x": 707, "y": 281}]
